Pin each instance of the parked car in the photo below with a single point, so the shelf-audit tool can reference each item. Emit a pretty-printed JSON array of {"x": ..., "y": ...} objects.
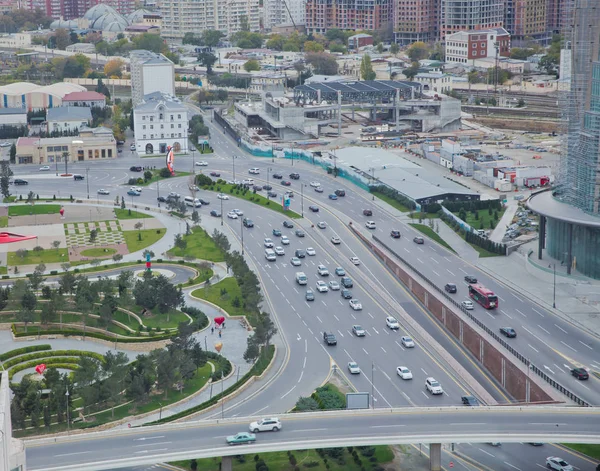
[{"x": 132, "y": 147}]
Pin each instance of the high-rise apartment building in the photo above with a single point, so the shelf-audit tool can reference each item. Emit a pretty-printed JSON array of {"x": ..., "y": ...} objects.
[
  {"x": 150, "y": 72},
  {"x": 558, "y": 13},
  {"x": 461, "y": 15},
  {"x": 194, "y": 16},
  {"x": 371, "y": 15},
  {"x": 72, "y": 9},
  {"x": 527, "y": 20},
  {"x": 416, "y": 20},
  {"x": 284, "y": 12}
]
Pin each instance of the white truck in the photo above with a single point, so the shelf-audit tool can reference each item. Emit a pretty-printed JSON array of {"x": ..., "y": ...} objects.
[{"x": 301, "y": 278}]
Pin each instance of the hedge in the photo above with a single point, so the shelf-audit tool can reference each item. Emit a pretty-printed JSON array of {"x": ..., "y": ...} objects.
[
  {"x": 196, "y": 314},
  {"x": 222, "y": 365},
  {"x": 470, "y": 206},
  {"x": 51, "y": 362},
  {"x": 394, "y": 194},
  {"x": 42, "y": 355},
  {"x": 95, "y": 335},
  {"x": 21, "y": 351}
]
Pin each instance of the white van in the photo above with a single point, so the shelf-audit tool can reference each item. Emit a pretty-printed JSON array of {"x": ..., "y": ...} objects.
[
  {"x": 301, "y": 278},
  {"x": 193, "y": 202},
  {"x": 270, "y": 255}
]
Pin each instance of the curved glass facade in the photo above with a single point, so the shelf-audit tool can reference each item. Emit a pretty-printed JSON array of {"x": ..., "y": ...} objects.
[{"x": 585, "y": 245}]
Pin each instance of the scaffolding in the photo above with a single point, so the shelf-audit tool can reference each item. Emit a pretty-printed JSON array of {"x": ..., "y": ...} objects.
[{"x": 579, "y": 174}]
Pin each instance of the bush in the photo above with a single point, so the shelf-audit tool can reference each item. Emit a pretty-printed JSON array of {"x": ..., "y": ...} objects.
[
  {"x": 310, "y": 464},
  {"x": 394, "y": 194},
  {"x": 21, "y": 351}
]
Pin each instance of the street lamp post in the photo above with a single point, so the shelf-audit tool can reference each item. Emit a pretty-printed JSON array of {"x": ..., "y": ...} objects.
[
  {"x": 221, "y": 212},
  {"x": 233, "y": 157},
  {"x": 554, "y": 290},
  {"x": 242, "y": 231},
  {"x": 222, "y": 398},
  {"x": 372, "y": 385},
  {"x": 193, "y": 160},
  {"x": 302, "y": 198},
  {"x": 160, "y": 412},
  {"x": 158, "y": 192},
  {"x": 87, "y": 180},
  {"x": 268, "y": 191},
  {"x": 68, "y": 415},
  {"x": 292, "y": 156}
]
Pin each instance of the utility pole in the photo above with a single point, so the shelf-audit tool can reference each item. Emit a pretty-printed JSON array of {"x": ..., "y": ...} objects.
[
  {"x": 87, "y": 180},
  {"x": 68, "y": 417},
  {"x": 158, "y": 192},
  {"x": 554, "y": 290},
  {"x": 302, "y": 198},
  {"x": 221, "y": 212},
  {"x": 233, "y": 157},
  {"x": 242, "y": 231},
  {"x": 497, "y": 47},
  {"x": 372, "y": 385}
]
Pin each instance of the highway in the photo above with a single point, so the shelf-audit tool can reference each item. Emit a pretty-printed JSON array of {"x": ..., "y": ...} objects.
[{"x": 113, "y": 449}]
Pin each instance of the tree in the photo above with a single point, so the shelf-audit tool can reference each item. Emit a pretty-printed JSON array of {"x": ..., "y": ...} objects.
[
  {"x": 5, "y": 174},
  {"x": 36, "y": 278},
  {"x": 115, "y": 368},
  {"x": 211, "y": 37},
  {"x": 150, "y": 42},
  {"x": 13, "y": 153},
  {"x": 62, "y": 39},
  {"x": 313, "y": 46},
  {"x": 207, "y": 60},
  {"x": 56, "y": 244},
  {"x": 366, "y": 68},
  {"x": 394, "y": 48},
  {"x": 412, "y": 71},
  {"x": 93, "y": 236},
  {"x": 305, "y": 404},
  {"x": 322, "y": 63},
  {"x": 472, "y": 77},
  {"x": 275, "y": 42},
  {"x": 190, "y": 38},
  {"x": 114, "y": 68},
  {"x": 252, "y": 65},
  {"x": 180, "y": 242},
  {"x": 380, "y": 48},
  {"x": 418, "y": 51},
  {"x": 49, "y": 312},
  {"x": 67, "y": 282}
]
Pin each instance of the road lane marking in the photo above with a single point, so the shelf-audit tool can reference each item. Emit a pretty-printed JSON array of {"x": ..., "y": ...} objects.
[
  {"x": 340, "y": 333},
  {"x": 420, "y": 261},
  {"x": 301, "y": 374},
  {"x": 531, "y": 333},
  {"x": 147, "y": 438},
  {"x": 450, "y": 271},
  {"x": 425, "y": 395},
  {"x": 78, "y": 453},
  {"x": 319, "y": 320},
  {"x": 376, "y": 331},
  {"x": 519, "y": 312},
  {"x": 309, "y": 429},
  {"x": 365, "y": 351},
  {"x": 487, "y": 453},
  {"x": 387, "y": 426},
  {"x": 288, "y": 392},
  {"x": 434, "y": 260},
  {"x": 560, "y": 328},
  {"x": 543, "y": 329},
  {"x": 461, "y": 269},
  {"x": 468, "y": 423},
  {"x": 436, "y": 273},
  {"x": 424, "y": 372},
  {"x": 585, "y": 345},
  {"x": 512, "y": 466},
  {"x": 151, "y": 444},
  {"x": 515, "y": 296},
  {"x": 370, "y": 315},
  {"x": 535, "y": 310},
  {"x": 383, "y": 350},
  {"x": 336, "y": 318},
  {"x": 567, "y": 345}
]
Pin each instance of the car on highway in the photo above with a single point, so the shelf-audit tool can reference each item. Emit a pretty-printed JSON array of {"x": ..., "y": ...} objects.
[
  {"x": 5, "y": 144},
  {"x": 333, "y": 196},
  {"x": 334, "y": 285},
  {"x": 222, "y": 196},
  {"x": 271, "y": 424},
  {"x": 271, "y": 194},
  {"x": 267, "y": 187},
  {"x": 161, "y": 199},
  {"x": 355, "y": 304},
  {"x": 20, "y": 181},
  {"x": 268, "y": 242},
  {"x": 279, "y": 250},
  {"x": 371, "y": 225},
  {"x": 340, "y": 192},
  {"x": 346, "y": 294},
  {"x": 558, "y": 464},
  {"x": 309, "y": 295},
  {"x": 254, "y": 171},
  {"x": 234, "y": 182},
  {"x": 135, "y": 168},
  {"x": 77, "y": 176},
  {"x": 277, "y": 176},
  {"x": 285, "y": 240},
  {"x": 347, "y": 282},
  {"x": 339, "y": 271},
  {"x": 315, "y": 184},
  {"x": 468, "y": 305},
  {"x": 239, "y": 212},
  {"x": 404, "y": 372},
  {"x": 580, "y": 373},
  {"x": 289, "y": 194},
  {"x": 194, "y": 188},
  {"x": 288, "y": 224},
  {"x": 329, "y": 338},
  {"x": 313, "y": 208},
  {"x": 450, "y": 288},
  {"x": 232, "y": 215},
  {"x": 102, "y": 191},
  {"x": 433, "y": 386},
  {"x": 300, "y": 253},
  {"x": 407, "y": 341},
  {"x": 241, "y": 438},
  {"x": 319, "y": 189},
  {"x": 299, "y": 233},
  {"x": 248, "y": 182},
  {"x": 355, "y": 260},
  {"x": 335, "y": 240},
  {"x": 508, "y": 332},
  {"x": 311, "y": 252},
  {"x": 469, "y": 401},
  {"x": 322, "y": 270},
  {"x": 392, "y": 323},
  {"x": 203, "y": 201},
  {"x": 322, "y": 287},
  {"x": 202, "y": 163},
  {"x": 295, "y": 261},
  {"x": 276, "y": 232},
  {"x": 367, "y": 212},
  {"x": 133, "y": 193},
  {"x": 215, "y": 174},
  {"x": 470, "y": 279},
  {"x": 45, "y": 168},
  {"x": 215, "y": 213},
  {"x": 286, "y": 182},
  {"x": 419, "y": 240},
  {"x": 358, "y": 330},
  {"x": 295, "y": 176},
  {"x": 132, "y": 147},
  {"x": 174, "y": 195},
  {"x": 353, "y": 368},
  {"x": 321, "y": 225},
  {"x": 395, "y": 234},
  {"x": 247, "y": 222}
]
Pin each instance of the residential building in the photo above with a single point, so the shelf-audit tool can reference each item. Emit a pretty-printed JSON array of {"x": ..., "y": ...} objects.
[
  {"x": 460, "y": 15},
  {"x": 435, "y": 82},
  {"x": 359, "y": 40},
  {"x": 71, "y": 9},
  {"x": 67, "y": 119},
  {"x": 150, "y": 72},
  {"x": 558, "y": 13},
  {"x": 191, "y": 16},
  {"x": 528, "y": 19},
  {"x": 34, "y": 97},
  {"x": 13, "y": 117},
  {"x": 284, "y": 12},
  {"x": 51, "y": 150},
  {"x": 89, "y": 99},
  {"x": 416, "y": 20},
  {"x": 268, "y": 82},
  {"x": 160, "y": 121},
  {"x": 465, "y": 46},
  {"x": 371, "y": 15}
]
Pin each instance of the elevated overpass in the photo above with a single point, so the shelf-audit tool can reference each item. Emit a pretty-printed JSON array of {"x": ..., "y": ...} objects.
[{"x": 204, "y": 439}]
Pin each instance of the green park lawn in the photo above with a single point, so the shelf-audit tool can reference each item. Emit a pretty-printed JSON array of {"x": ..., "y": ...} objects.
[
  {"x": 130, "y": 214},
  {"x": 212, "y": 293},
  {"x": 591, "y": 450},
  {"x": 391, "y": 201},
  {"x": 429, "y": 232},
  {"x": 3, "y": 221},
  {"x": 156, "y": 176},
  {"x": 27, "y": 209},
  {"x": 35, "y": 258},
  {"x": 148, "y": 236},
  {"x": 200, "y": 246},
  {"x": 483, "y": 220},
  {"x": 98, "y": 252}
]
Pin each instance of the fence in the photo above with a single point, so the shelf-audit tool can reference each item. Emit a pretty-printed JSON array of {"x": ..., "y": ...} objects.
[
  {"x": 488, "y": 331},
  {"x": 460, "y": 222},
  {"x": 227, "y": 128}
]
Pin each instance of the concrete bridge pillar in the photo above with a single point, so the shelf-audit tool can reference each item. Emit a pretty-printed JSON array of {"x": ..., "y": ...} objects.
[
  {"x": 227, "y": 463},
  {"x": 435, "y": 457}
]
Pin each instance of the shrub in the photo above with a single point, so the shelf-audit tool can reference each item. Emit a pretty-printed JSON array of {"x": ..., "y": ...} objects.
[{"x": 310, "y": 464}]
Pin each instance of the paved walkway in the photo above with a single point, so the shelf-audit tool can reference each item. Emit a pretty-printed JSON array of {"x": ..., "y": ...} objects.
[{"x": 498, "y": 233}]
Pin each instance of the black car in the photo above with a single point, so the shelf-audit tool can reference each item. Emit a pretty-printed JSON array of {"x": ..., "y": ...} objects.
[
  {"x": 346, "y": 294},
  {"x": 470, "y": 279},
  {"x": 135, "y": 168},
  {"x": 277, "y": 176},
  {"x": 20, "y": 181},
  {"x": 395, "y": 234},
  {"x": 508, "y": 332},
  {"x": 329, "y": 338},
  {"x": 295, "y": 176},
  {"x": 204, "y": 202},
  {"x": 78, "y": 177},
  {"x": 300, "y": 253},
  {"x": 340, "y": 192},
  {"x": 286, "y": 183},
  {"x": 267, "y": 187},
  {"x": 347, "y": 282},
  {"x": 272, "y": 194},
  {"x": 469, "y": 401},
  {"x": 215, "y": 174},
  {"x": 580, "y": 373},
  {"x": 299, "y": 233},
  {"x": 288, "y": 224},
  {"x": 419, "y": 240},
  {"x": 216, "y": 213},
  {"x": 367, "y": 212},
  {"x": 248, "y": 222},
  {"x": 161, "y": 199},
  {"x": 450, "y": 288},
  {"x": 257, "y": 188},
  {"x": 120, "y": 143}
]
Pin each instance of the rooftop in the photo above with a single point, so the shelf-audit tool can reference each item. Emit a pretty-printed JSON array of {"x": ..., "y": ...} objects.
[
  {"x": 153, "y": 100},
  {"x": 69, "y": 113},
  {"x": 84, "y": 96}
]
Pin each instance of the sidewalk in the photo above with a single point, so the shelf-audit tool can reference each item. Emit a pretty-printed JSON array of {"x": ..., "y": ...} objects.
[{"x": 498, "y": 233}]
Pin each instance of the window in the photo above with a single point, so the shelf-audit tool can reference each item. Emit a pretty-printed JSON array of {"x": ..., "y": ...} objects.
[
  {"x": 162, "y": 126},
  {"x": 144, "y": 126},
  {"x": 110, "y": 153},
  {"x": 178, "y": 116},
  {"x": 162, "y": 136},
  {"x": 152, "y": 126},
  {"x": 172, "y": 117},
  {"x": 179, "y": 125},
  {"x": 96, "y": 153},
  {"x": 144, "y": 136},
  {"x": 89, "y": 153},
  {"x": 160, "y": 116},
  {"x": 144, "y": 118},
  {"x": 151, "y": 118},
  {"x": 172, "y": 126},
  {"x": 104, "y": 153}
]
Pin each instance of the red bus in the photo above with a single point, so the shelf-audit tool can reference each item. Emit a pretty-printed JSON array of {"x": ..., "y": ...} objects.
[{"x": 483, "y": 296}]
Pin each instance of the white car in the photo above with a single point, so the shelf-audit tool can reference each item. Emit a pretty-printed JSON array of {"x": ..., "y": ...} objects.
[
  {"x": 353, "y": 368},
  {"x": 370, "y": 225},
  {"x": 355, "y": 260},
  {"x": 102, "y": 191},
  {"x": 335, "y": 240},
  {"x": 239, "y": 212},
  {"x": 310, "y": 251},
  {"x": 234, "y": 182},
  {"x": 223, "y": 196},
  {"x": 232, "y": 215},
  {"x": 295, "y": 261},
  {"x": 355, "y": 304},
  {"x": 322, "y": 270},
  {"x": 334, "y": 285},
  {"x": 279, "y": 250},
  {"x": 285, "y": 240},
  {"x": 248, "y": 181},
  {"x": 266, "y": 425},
  {"x": 5, "y": 144},
  {"x": 132, "y": 147},
  {"x": 358, "y": 331},
  {"x": 322, "y": 287},
  {"x": 433, "y": 386},
  {"x": 268, "y": 243},
  {"x": 407, "y": 341},
  {"x": 468, "y": 305},
  {"x": 392, "y": 323},
  {"x": 45, "y": 168},
  {"x": 404, "y": 372},
  {"x": 554, "y": 462},
  {"x": 202, "y": 163},
  {"x": 254, "y": 171},
  {"x": 315, "y": 184},
  {"x": 194, "y": 188},
  {"x": 136, "y": 188},
  {"x": 172, "y": 194},
  {"x": 321, "y": 225}
]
